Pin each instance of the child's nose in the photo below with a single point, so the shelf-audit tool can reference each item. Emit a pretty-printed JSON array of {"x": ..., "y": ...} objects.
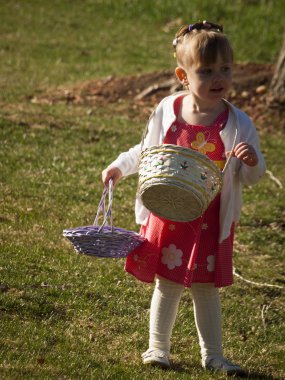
[{"x": 218, "y": 76}]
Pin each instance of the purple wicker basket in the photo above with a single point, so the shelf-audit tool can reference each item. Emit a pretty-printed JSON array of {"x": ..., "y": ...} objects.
[{"x": 104, "y": 240}]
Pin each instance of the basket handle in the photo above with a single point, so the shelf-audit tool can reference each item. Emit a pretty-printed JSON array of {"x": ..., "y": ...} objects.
[
  {"x": 107, "y": 212},
  {"x": 232, "y": 150}
]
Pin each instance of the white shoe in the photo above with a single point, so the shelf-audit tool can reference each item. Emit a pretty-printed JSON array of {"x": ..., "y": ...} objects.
[
  {"x": 221, "y": 364},
  {"x": 156, "y": 357}
]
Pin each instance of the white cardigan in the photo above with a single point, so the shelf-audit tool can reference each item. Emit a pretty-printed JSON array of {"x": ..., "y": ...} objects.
[{"x": 239, "y": 128}]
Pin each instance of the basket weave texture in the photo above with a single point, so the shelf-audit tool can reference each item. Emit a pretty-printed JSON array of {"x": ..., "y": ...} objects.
[
  {"x": 177, "y": 183},
  {"x": 105, "y": 240}
]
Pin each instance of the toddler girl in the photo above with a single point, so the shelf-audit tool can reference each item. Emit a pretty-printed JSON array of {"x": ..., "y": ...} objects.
[{"x": 201, "y": 119}]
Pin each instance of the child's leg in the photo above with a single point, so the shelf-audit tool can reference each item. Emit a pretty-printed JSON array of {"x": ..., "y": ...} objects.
[
  {"x": 207, "y": 311},
  {"x": 163, "y": 311}
]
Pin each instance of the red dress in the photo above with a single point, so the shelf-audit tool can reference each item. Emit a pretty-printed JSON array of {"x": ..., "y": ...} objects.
[{"x": 186, "y": 252}]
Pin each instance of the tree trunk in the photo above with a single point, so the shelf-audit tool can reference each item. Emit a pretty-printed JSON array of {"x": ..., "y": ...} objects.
[{"x": 278, "y": 80}]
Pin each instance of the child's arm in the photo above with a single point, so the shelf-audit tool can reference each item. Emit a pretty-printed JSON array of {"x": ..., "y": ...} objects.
[
  {"x": 252, "y": 163},
  {"x": 111, "y": 173},
  {"x": 127, "y": 162},
  {"x": 245, "y": 153}
]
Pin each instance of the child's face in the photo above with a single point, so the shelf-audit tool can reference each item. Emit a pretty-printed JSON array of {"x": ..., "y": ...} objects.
[{"x": 210, "y": 82}]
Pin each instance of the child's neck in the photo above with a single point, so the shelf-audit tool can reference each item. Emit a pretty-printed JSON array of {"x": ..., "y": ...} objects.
[{"x": 197, "y": 113}]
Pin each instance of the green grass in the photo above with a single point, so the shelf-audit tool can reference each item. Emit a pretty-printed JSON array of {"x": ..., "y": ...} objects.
[
  {"x": 65, "y": 316},
  {"x": 45, "y": 43}
]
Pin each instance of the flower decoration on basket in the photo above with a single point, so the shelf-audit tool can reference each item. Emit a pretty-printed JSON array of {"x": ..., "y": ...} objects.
[
  {"x": 105, "y": 240},
  {"x": 181, "y": 188}
]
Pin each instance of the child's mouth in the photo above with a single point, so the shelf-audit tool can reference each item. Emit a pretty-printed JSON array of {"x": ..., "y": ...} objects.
[{"x": 217, "y": 89}]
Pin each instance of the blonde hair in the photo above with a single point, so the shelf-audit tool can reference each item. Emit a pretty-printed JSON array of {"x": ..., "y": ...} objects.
[{"x": 201, "y": 46}]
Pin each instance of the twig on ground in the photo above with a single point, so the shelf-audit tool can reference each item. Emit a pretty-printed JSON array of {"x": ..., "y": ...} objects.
[
  {"x": 256, "y": 283},
  {"x": 262, "y": 316},
  {"x": 170, "y": 84},
  {"x": 274, "y": 179},
  {"x": 264, "y": 310}
]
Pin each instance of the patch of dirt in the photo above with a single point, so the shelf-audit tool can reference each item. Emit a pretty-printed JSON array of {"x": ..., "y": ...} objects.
[{"x": 137, "y": 95}]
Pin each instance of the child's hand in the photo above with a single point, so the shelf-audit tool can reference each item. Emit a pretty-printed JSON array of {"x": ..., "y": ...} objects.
[
  {"x": 246, "y": 153},
  {"x": 111, "y": 173}
]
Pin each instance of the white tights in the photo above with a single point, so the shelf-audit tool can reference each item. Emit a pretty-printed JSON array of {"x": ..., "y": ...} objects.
[{"x": 207, "y": 312}]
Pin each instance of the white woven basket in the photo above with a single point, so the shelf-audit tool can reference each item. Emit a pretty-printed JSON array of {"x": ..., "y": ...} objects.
[{"x": 177, "y": 183}]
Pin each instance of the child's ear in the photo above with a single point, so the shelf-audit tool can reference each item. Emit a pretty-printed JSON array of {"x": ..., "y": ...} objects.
[{"x": 181, "y": 75}]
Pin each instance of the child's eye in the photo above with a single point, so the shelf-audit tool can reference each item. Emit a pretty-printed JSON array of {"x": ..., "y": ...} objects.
[
  {"x": 226, "y": 69},
  {"x": 206, "y": 71}
]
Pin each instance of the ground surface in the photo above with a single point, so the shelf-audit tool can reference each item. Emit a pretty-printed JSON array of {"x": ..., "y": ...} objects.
[{"x": 136, "y": 95}]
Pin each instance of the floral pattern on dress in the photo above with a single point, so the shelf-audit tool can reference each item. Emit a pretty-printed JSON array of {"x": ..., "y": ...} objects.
[
  {"x": 211, "y": 263},
  {"x": 171, "y": 256}
]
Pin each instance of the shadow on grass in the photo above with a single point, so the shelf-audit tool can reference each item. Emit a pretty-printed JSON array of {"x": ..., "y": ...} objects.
[
  {"x": 260, "y": 376},
  {"x": 178, "y": 367}
]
